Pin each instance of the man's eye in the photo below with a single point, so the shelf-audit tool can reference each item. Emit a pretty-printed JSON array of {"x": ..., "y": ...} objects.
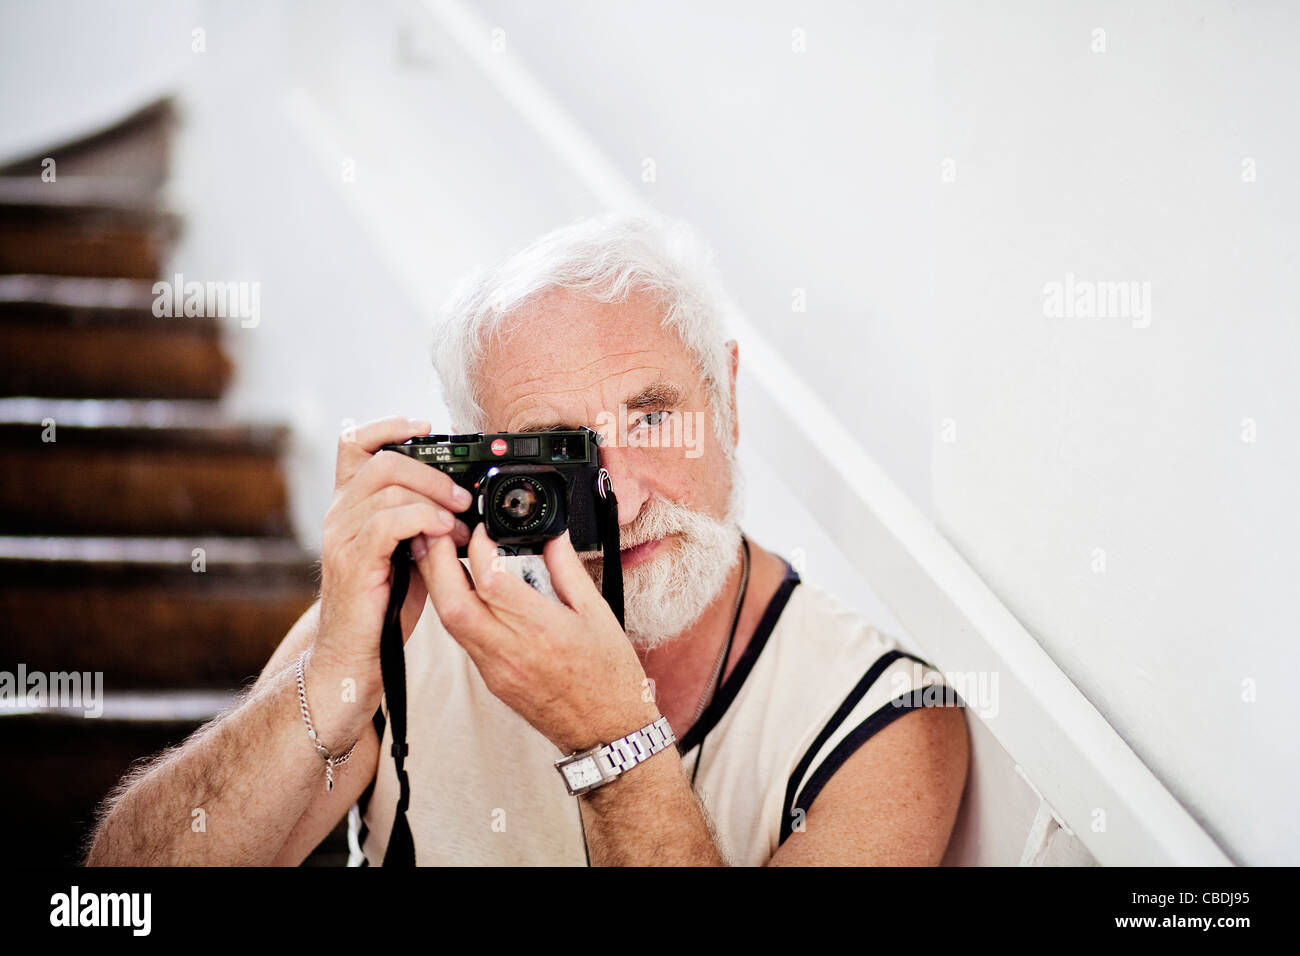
[{"x": 654, "y": 418}]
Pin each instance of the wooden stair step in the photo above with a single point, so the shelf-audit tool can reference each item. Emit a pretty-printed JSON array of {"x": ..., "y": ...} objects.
[
  {"x": 137, "y": 610},
  {"x": 71, "y": 337},
  {"x": 151, "y": 468},
  {"x": 62, "y": 765},
  {"x": 83, "y": 227},
  {"x": 136, "y": 146},
  {"x": 141, "y": 708}
]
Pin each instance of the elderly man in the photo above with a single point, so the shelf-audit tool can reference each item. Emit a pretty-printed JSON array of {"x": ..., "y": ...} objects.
[{"x": 801, "y": 735}]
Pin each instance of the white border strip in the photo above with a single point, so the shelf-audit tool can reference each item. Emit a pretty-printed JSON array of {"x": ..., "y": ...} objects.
[{"x": 1045, "y": 723}]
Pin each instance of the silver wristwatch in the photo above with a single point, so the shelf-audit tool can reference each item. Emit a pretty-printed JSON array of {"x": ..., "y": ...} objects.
[{"x": 596, "y": 767}]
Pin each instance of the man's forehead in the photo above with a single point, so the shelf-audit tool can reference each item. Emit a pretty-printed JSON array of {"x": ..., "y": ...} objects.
[
  {"x": 568, "y": 357},
  {"x": 542, "y": 415}
]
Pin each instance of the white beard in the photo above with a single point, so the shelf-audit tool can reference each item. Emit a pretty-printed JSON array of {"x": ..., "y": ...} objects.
[{"x": 665, "y": 595}]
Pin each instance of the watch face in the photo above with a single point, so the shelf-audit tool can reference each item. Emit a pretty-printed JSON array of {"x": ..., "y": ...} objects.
[{"x": 582, "y": 773}]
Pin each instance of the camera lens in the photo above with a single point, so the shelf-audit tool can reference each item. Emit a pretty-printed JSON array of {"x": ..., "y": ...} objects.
[{"x": 521, "y": 504}]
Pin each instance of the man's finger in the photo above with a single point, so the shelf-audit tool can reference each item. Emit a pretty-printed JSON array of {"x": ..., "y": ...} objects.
[
  {"x": 458, "y": 606},
  {"x": 389, "y": 468},
  {"x": 388, "y": 431},
  {"x": 357, "y": 444},
  {"x": 511, "y": 599},
  {"x": 393, "y": 496},
  {"x": 569, "y": 577},
  {"x": 383, "y": 531}
]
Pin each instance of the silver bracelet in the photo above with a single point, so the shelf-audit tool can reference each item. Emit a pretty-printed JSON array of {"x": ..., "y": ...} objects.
[{"x": 330, "y": 761}]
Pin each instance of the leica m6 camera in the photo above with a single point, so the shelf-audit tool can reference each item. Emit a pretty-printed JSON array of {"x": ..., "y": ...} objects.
[{"x": 528, "y": 487}]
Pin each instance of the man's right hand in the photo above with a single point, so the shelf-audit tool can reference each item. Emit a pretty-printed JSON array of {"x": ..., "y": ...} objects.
[{"x": 381, "y": 498}]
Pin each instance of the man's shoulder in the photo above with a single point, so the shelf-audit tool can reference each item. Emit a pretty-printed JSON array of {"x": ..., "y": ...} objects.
[
  {"x": 834, "y": 647},
  {"x": 820, "y": 622},
  {"x": 842, "y": 681}
]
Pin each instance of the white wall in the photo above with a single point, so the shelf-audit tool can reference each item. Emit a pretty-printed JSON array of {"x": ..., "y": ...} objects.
[
  {"x": 810, "y": 171},
  {"x": 1074, "y": 435},
  {"x": 69, "y": 66}
]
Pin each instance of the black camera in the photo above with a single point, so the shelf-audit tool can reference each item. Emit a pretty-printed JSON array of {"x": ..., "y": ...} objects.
[{"x": 527, "y": 486}]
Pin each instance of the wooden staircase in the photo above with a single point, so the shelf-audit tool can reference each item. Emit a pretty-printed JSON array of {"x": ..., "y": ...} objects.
[
  {"x": 99, "y": 338},
  {"x": 142, "y": 533}
]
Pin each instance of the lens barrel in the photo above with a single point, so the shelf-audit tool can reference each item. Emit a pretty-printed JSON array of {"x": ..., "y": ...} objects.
[{"x": 522, "y": 504}]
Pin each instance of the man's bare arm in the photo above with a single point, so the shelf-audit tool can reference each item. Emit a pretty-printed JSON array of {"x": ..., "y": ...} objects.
[
  {"x": 894, "y": 802},
  {"x": 328, "y": 807},
  {"x": 649, "y": 817},
  {"x": 237, "y": 790}
]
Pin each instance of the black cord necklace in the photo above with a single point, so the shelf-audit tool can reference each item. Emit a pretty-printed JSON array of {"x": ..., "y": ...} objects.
[{"x": 726, "y": 654}]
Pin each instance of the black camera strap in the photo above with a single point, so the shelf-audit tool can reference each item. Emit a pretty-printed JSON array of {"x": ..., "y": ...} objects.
[
  {"x": 611, "y": 575},
  {"x": 392, "y": 663},
  {"x": 392, "y": 655}
]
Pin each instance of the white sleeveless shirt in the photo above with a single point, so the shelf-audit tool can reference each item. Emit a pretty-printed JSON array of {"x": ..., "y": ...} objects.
[{"x": 814, "y": 683}]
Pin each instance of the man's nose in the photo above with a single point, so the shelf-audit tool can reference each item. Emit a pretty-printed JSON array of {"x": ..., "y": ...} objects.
[{"x": 631, "y": 487}]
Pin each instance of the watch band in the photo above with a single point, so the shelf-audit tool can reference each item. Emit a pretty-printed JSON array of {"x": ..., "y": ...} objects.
[{"x": 589, "y": 769}]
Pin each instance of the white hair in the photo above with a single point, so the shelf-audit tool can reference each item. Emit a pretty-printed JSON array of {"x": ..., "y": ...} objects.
[{"x": 604, "y": 258}]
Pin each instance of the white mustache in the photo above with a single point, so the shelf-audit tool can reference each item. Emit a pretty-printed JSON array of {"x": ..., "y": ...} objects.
[{"x": 657, "y": 520}]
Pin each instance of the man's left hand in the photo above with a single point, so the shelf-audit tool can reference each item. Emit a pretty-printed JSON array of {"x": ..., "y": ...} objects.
[{"x": 567, "y": 668}]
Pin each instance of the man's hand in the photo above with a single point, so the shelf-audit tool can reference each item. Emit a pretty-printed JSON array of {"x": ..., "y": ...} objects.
[
  {"x": 381, "y": 498},
  {"x": 568, "y": 669}
]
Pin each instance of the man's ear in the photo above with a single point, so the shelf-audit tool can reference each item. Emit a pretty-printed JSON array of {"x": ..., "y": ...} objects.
[{"x": 733, "y": 363}]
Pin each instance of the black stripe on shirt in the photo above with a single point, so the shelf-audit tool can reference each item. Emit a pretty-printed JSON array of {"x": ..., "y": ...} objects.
[
  {"x": 731, "y": 686},
  {"x": 887, "y": 714},
  {"x": 841, "y": 714}
]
